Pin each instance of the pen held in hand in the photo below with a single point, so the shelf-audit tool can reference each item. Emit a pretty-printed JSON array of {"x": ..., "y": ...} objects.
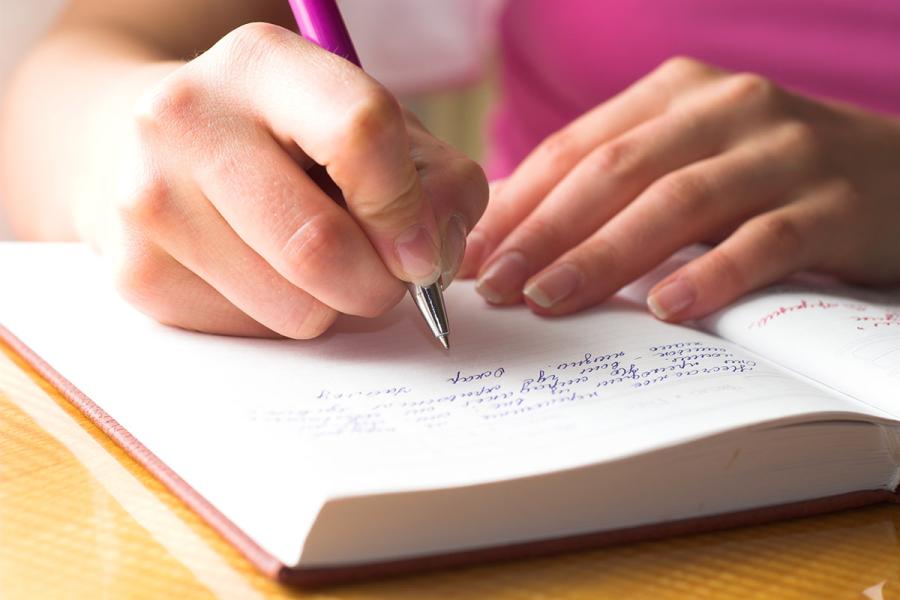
[{"x": 320, "y": 22}]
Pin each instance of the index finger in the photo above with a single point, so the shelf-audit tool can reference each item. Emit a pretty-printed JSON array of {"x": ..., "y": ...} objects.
[{"x": 347, "y": 122}]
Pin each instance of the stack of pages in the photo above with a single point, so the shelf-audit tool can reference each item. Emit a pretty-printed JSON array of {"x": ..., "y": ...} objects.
[{"x": 371, "y": 451}]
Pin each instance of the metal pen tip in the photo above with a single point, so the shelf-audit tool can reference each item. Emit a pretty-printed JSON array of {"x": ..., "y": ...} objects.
[{"x": 430, "y": 302}]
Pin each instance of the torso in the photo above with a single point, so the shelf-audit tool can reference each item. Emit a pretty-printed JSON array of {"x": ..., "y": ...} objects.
[{"x": 564, "y": 57}]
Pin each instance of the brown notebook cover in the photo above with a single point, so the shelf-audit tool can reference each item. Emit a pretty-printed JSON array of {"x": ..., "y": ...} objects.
[{"x": 309, "y": 577}]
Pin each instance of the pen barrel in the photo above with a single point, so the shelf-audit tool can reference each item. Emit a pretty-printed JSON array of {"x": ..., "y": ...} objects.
[{"x": 320, "y": 21}]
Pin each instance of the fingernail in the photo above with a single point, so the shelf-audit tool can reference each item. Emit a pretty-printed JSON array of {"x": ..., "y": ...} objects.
[
  {"x": 504, "y": 278},
  {"x": 553, "y": 285},
  {"x": 671, "y": 299},
  {"x": 454, "y": 248},
  {"x": 418, "y": 255}
]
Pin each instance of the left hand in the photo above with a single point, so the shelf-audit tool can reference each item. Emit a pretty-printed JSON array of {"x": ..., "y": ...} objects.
[{"x": 690, "y": 154}]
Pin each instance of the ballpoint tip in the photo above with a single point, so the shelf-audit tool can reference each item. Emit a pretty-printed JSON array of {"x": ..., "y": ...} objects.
[{"x": 445, "y": 341}]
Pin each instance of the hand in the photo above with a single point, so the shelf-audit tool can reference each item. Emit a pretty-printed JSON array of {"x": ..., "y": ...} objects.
[
  {"x": 689, "y": 154},
  {"x": 229, "y": 218}
]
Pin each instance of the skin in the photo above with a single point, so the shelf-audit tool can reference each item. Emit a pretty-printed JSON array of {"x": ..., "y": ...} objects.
[
  {"x": 777, "y": 182},
  {"x": 239, "y": 179},
  {"x": 216, "y": 203}
]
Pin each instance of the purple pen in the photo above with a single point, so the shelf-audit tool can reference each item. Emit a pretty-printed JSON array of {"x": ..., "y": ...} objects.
[{"x": 320, "y": 21}]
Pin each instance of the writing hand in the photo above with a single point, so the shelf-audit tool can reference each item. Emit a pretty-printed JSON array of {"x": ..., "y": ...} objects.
[
  {"x": 691, "y": 153},
  {"x": 227, "y": 219}
]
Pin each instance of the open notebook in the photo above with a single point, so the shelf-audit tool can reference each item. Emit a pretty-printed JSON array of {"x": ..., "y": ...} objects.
[{"x": 371, "y": 451}]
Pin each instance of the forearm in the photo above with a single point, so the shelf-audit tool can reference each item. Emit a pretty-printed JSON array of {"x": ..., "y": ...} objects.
[{"x": 65, "y": 122}]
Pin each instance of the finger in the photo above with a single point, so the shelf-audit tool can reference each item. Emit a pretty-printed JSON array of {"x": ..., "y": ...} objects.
[
  {"x": 603, "y": 183},
  {"x": 160, "y": 287},
  {"x": 475, "y": 245},
  {"x": 613, "y": 174},
  {"x": 458, "y": 191},
  {"x": 195, "y": 235},
  {"x": 547, "y": 164},
  {"x": 679, "y": 209},
  {"x": 762, "y": 251},
  {"x": 344, "y": 120},
  {"x": 297, "y": 228}
]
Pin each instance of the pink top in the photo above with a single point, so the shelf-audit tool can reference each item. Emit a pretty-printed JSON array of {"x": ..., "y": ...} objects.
[{"x": 564, "y": 57}]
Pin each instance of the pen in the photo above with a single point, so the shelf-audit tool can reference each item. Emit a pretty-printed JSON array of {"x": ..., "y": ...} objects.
[{"x": 320, "y": 22}]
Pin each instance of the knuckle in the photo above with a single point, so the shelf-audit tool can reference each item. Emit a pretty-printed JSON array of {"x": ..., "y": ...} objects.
[
  {"x": 147, "y": 205},
  {"x": 750, "y": 88},
  {"x": 251, "y": 42},
  {"x": 221, "y": 163},
  {"x": 729, "y": 274},
  {"x": 780, "y": 232},
  {"x": 559, "y": 148},
  {"x": 170, "y": 105},
  {"x": 846, "y": 193},
  {"x": 612, "y": 157},
  {"x": 599, "y": 256},
  {"x": 682, "y": 67},
  {"x": 603, "y": 252},
  {"x": 800, "y": 137},
  {"x": 676, "y": 75},
  {"x": 683, "y": 194},
  {"x": 540, "y": 231},
  {"x": 312, "y": 248},
  {"x": 401, "y": 206},
  {"x": 373, "y": 120}
]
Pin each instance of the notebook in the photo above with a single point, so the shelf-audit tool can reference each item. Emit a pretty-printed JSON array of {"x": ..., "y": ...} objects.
[{"x": 370, "y": 451}]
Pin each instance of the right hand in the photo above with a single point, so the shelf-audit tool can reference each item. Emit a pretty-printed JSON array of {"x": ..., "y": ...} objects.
[{"x": 226, "y": 221}]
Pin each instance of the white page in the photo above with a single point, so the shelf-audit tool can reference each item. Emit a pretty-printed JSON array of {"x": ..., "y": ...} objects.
[
  {"x": 267, "y": 430},
  {"x": 844, "y": 337}
]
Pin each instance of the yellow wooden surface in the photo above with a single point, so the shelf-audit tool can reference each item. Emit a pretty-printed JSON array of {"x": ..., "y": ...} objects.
[{"x": 80, "y": 519}]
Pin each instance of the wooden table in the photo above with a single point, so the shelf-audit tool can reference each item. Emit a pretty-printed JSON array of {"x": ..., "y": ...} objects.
[{"x": 80, "y": 519}]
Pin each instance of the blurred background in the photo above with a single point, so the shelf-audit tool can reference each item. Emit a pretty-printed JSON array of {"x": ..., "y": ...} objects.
[{"x": 437, "y": 56}]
